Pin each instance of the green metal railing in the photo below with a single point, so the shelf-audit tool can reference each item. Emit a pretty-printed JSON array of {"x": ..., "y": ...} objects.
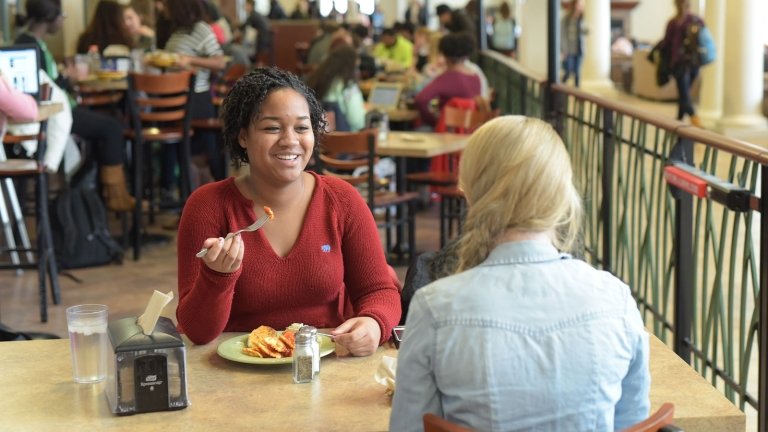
[{"x": 693, "y": 264}]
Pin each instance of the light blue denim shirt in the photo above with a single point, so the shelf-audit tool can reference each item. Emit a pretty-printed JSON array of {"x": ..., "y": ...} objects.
[{"x": 531, "y": 339}]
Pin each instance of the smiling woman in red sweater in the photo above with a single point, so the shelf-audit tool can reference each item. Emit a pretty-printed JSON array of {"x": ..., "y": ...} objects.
[{"x": 319, "y": 261}]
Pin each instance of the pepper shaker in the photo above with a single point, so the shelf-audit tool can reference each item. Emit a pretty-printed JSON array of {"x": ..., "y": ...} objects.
[{"x": 303, "y": 358}]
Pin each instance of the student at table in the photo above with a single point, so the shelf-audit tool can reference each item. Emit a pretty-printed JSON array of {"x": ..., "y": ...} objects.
[
  {"x": 143, "y": 36},
  {"x": 195, "y": 41},
  {"x": 335, "y": 82},
  {"x": 456, "y": 81},
  {"x": 107, "y": 27},
  {"x": 523, "y": 335},
  {"x": 319, "y": 261},
  {"x": 394, "y": 50},
  {"x": 15, "y": 105},
  {"x": 104, "y": 132}
]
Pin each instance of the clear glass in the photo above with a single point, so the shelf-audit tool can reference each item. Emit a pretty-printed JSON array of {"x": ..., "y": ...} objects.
[{"x": 87, "y": 326}]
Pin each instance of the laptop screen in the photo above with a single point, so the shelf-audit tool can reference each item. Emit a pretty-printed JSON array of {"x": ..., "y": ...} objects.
[
  {"x": 19, "y": 65},
  {"x": 385, "y": 96}
]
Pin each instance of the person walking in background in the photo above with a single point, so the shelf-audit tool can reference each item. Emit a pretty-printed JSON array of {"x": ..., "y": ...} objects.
[
  {"x": 572, "y": 31},
  {"x": 683, "y": 61},
  {"x": 505, "y": 30},
  {"x": 416, "y": 13},
  {"x": 548, "y": 342}
]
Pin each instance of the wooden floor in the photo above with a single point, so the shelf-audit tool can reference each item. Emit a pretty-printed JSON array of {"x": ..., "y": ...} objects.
[{"x": 126, "y": 288}]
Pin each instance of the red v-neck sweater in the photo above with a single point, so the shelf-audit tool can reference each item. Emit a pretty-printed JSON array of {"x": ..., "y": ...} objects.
[{"x": 337, "y": 261}]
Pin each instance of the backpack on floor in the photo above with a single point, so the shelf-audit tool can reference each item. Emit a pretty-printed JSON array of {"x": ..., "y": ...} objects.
[{"x": 80, "y": 234}]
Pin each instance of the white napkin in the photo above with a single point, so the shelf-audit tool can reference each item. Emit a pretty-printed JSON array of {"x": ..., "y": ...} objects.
[
  {"x": 385, "y": 374},
  {"x": 148, "y": 319}
]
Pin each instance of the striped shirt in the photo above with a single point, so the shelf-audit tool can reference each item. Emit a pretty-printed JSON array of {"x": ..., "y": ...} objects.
[{"x": 200, "y": 42}]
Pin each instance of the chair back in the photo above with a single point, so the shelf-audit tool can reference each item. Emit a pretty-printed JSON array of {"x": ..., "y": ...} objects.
[
  {"x": 224, "y": 84},
  {"x": 342, "y": 153},
  {"x": 658, "y": 420},
  {"x": 159, "y": 102},
  {"x": 433, "y": 423}
]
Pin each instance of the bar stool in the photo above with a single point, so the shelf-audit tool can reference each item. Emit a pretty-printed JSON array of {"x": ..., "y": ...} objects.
[
  {"x": 45, "y": 259},
  {"x": 362, "y": 146},
  {"x": 159, "y": 109}
]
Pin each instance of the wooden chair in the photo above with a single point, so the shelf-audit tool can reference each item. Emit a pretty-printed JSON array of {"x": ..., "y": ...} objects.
[
  {"x": 452, "y": 208},
  {"x": 433, "y": 423},
  {"x": 456, "y": 117},
  {"x": 17, "y": 169},
  {"x": 359, "y": 150},
  {"x": 658, "y": 421},
  {"x": 159, "y": 106}
]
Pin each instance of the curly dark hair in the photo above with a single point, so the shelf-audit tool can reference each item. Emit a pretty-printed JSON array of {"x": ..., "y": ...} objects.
[
  {"x": 457, "y": 46},
  {"x": 242, "y": 106}
]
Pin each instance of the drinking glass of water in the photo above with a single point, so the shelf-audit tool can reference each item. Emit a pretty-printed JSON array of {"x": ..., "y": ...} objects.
[{"x": 87, "y": 325}]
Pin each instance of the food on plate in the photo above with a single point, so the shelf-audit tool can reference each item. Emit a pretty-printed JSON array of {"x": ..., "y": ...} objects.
[
  {"x": 110, "y": 74},
  {"x": 269, "y": 212},
  {"x": 266, "y": 342},
  {"x": 161, "y": 58}
]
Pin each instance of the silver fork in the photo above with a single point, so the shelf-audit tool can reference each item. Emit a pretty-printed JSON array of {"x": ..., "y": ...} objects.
[{"x": 252, "y": 227}]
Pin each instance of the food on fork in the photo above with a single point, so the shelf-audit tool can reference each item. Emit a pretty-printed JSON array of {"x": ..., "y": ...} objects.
[
  {"x": 266, "y": 342},
  {"x": 269, "y": 212}
]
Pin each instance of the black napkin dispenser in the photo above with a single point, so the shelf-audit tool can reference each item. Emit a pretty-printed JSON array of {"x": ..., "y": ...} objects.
[{"x": 146, "y": 373}]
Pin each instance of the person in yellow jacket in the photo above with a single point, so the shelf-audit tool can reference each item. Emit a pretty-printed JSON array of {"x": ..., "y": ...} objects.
[{"x": 394, "y": 50}]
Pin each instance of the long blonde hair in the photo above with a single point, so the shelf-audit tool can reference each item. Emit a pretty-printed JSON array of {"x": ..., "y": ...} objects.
[{"x": 516, "y": 173}]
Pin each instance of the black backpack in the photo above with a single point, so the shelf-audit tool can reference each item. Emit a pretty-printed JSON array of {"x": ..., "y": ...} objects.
[{"x": 80, "y": 234}]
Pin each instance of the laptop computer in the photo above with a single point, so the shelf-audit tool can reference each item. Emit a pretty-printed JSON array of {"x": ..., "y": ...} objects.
[
  {"x": 19, "y": 65},
  {"x": 385, "y": 96}
]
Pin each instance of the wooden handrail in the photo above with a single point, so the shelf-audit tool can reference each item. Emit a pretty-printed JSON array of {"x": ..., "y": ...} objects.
[
  {"x": 516, "y": 66},
  {"x": 737, "y": 147}
]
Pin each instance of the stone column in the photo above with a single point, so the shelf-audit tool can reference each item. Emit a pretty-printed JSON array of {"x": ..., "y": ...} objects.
[
  {"x": 743, "y": 85},
  {"x": 532, "y": 45},
  {"x": 711, "y": 98},
  {"x": 596, "y": 67}
]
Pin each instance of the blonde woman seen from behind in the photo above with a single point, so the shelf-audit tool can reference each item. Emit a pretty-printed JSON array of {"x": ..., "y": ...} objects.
[{"x": 523, "y": 336}]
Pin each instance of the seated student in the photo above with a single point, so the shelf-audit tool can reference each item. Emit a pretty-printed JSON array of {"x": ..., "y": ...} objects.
[
  {"x": 143, "y": 36},
  {"x": 107, "y": 27},
  {"x": 335, "y": 81},
  {"x": 319, "y": 261},
  {"x": 394, "y": 50},
  {"x": 105, "y": 133},
  {"x": 456, "y": 81},
  {"x": 522, "y": 336}
]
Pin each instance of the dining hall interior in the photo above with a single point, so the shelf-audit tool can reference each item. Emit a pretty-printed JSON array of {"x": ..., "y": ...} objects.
[{"x": 669, "y": 174}]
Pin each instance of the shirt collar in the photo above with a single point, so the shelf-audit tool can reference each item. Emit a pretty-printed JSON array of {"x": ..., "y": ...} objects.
[{"x": 528, "y": 251}]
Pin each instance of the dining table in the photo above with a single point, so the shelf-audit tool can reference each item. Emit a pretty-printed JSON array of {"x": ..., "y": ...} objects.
[{"x": 39, "y": 394}]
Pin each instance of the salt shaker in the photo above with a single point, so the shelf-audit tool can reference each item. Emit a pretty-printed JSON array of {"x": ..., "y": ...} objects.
[{"x": 303, "y": 357}]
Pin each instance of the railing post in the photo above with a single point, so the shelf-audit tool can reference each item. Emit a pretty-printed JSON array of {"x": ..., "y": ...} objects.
[
  {"x": 607, "y": 186},
  {"x": 523, "y": 95},
  {"x": 762, "y": 387},
  {"x": 553, "y": 57},
  {"x": 683, "y": 256}
]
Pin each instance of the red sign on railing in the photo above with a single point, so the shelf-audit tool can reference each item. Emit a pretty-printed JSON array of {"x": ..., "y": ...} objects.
[{"x": 685, "y": 181}]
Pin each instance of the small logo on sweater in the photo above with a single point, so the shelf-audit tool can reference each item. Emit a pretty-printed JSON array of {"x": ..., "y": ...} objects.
[{"x": 325, "y": 248}]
